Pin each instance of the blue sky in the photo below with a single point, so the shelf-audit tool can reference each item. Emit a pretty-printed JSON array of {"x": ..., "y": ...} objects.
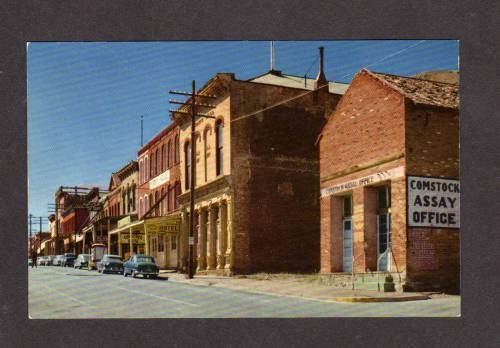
[{"x": 85, "y": 99}]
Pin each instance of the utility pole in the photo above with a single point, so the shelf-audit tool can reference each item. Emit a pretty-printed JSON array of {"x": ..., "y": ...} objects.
[
  {"x": 192, "y": 179},
  {"x": 30, "y": 242}
]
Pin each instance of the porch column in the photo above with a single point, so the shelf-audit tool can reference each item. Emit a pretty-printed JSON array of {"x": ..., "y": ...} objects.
[
  {"x": 202, "y": 239},
  {"x": 229, "y": 234},
  {"x": 146, "y": 240},
  {"x": 212, "y": 235},
  {"x": 119, "y": 244},
  {"x": 184, "y": 240},
  {"x": 130, "y": 240},
  {"x": 221, "y": 235}
]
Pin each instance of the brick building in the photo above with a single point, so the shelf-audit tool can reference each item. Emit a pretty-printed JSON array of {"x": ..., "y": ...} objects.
[
  {"x": 257, "y": 183},
  {"x": 389, "y": 137},
  {"x": 159, "y": 186}
]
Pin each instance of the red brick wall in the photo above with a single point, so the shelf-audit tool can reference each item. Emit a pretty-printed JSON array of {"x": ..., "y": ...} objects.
[
  {"x": 368, "y": 124},
  {"x": 432, "y": 150},
  {"x": 275, "y": 178}
]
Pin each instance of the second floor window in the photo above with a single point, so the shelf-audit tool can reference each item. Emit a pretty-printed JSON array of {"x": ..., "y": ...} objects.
[
  {"x": 176, "y": 149},
  {"x": 219, "y": 148},
  {"x": 163, "y": 158},
  {"x": 146, "y": 170},
  {"x": 157, "y": 163},
  {"x": 169, "y": 154},
  {"x": 187, "y": 166}
]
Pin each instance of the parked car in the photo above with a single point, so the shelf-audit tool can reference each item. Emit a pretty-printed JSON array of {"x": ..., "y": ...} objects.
[
  {"x": 58, "y": 260},
  {"x": 68, "y": 260},
  {"x": 141, "y": 264},
  {"x": 40, "y": 261},
  {"x": 81, "y": 261},
  {"x": 110, "y": 263},
  {"x": 50, "y": 260}
]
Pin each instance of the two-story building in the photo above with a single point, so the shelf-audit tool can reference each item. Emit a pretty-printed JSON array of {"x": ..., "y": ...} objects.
[
  {"x": 256, "y": 186},
  {"x": 158, "y": 188},
  {"x": 389, "y": 167}
]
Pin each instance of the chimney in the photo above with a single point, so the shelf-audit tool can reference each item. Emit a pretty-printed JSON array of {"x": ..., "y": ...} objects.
[{"x": 321, "y": 78}]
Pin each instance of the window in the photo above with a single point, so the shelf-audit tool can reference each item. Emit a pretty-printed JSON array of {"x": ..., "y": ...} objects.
[
  {"x": 219, "y": 148},
  {"x": 162, "y": 203},
  {"x": 384, "y": 198},
  {"x": 169, "y": 154},
  {"x": 141, "y": 209},
  {"x": 146, "y": 205},
  {"x": 173, "y": 242},
  {"x": 151, "y": 165},
  {"x": 151, "y": 202},
  {"x": 163, "y": 158},
  {"x": 177, "y": 192},
  {"x": 169, "y": 199},
  {"x": 187, "y": 165},
  {"x": 157, "y": 163},
  {"x": 124, "y": 201},
  {"x": 347, "y": 206},
  {"x": 205, "y": 153},
  {"x": 141, "y": 171},
  {"x": 133, "y": 196},
  {"x": 157, "y": 207},
  {"x": 146, "y": 171},
  {"x": 160, "y": 244},
  {"x": 176, "y": 149}
]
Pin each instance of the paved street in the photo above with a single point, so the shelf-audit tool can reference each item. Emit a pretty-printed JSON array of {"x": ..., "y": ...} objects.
[{"x": 56, "y": 292}]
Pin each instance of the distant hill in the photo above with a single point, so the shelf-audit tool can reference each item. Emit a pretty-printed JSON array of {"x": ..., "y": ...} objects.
[{"x": 448, "y": 76}]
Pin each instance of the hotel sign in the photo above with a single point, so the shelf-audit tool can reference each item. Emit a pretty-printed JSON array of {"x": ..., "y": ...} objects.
[
  {"x": 162, "y": 225},
  {"x": 433, "y": 202},
  {"x": 366, "y": 180},
  {"x": 159, "y": 180}
]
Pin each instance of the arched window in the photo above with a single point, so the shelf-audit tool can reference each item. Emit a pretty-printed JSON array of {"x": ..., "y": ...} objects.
[
  {"x": 219, "y": 148},
  {"x": 162, "y": 158},
  {"x": 151, "y": 165},
  {"x": 141, "y": 210},
  {"x": 169, "y": 154},
  {"x": 128, "y": 199},
  {"x": 187, "y": 165},
  {"x": 146, "y": 204},
  {"x": 205, "y": 153},
  {"x": 157, "y": 162},
  {"x": 176, "y": 149},
  {"x": 141, "y": 171},
  {"x": 133, "y": 196},
  {"x": 157, "y": 209},
  {"x": 169, "y": 199},
  {"x": 151, "y": 202},
  {"x": 146, "y": 170}
]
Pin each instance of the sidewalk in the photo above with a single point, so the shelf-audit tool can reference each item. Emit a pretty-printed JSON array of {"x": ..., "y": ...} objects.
[{"x": 294, "y": 286}]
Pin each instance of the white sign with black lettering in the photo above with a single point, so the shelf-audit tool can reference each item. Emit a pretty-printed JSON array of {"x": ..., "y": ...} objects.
[{"x": 433, "y": 202}]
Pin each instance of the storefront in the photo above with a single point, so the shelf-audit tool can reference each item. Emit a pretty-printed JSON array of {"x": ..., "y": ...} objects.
[
  {"x": 162, "y": 235},
  {"x": 127, "y": 239},
  {"x": 389, "y": 180}
]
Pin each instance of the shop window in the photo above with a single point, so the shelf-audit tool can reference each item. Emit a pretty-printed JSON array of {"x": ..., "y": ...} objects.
[
  {"x": 173, "y": 242},
  {"x": 219, "y": 148},
  {"x": 384, "y": 198},
  {"x": 160, "y": 244},
  {"x": 187, "y": 165},
  {"x": 384, "y": 231}
]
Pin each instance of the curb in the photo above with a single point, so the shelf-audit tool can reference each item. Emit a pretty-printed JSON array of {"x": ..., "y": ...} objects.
[{"x": 380, "y": 299}]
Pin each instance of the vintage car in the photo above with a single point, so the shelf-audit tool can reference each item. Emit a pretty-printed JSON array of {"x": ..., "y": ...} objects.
[
  {"x": 57, "y": 260},
  {"x": 41, "y": 261},
  {"x": 110, "y": 264},
  {"x": 141, "y": 264},
  {"x": 68, "y": 260},
  {"x": 81, "y": 261}
]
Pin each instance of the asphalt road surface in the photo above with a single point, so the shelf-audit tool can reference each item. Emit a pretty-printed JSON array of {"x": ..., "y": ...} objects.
[{"x": 56, "y": 292}]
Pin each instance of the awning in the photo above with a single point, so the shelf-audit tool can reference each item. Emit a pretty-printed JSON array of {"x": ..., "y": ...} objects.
[{"x": 125, "y": 228}]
